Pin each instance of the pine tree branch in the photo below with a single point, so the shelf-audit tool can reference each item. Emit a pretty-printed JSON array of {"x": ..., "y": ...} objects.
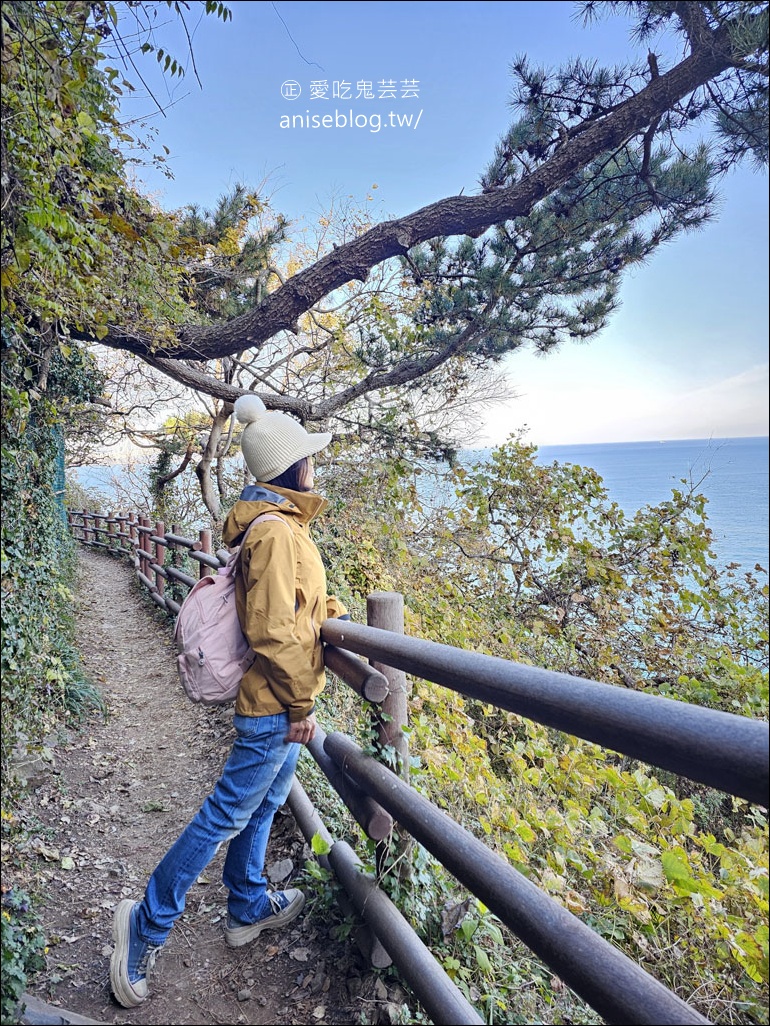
[{"x": 452, "y": 216}]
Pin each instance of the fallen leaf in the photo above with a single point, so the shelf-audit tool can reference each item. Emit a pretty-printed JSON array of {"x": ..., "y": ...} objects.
[
  {"x": 452, "y": 915},
  {"x": 574, "y": 902},
  {"x": 50, "y": 854},
  {"x": 621, "y": 886},
  {"x": 279, "y": 871}
]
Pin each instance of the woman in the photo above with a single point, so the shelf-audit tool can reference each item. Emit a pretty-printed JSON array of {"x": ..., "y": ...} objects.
[{"x": 282, "y": 601}]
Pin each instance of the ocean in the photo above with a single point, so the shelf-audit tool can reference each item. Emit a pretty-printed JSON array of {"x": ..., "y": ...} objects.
[
  {"x": 643, "y": 473},
  {"x": 735, "y": 483}
]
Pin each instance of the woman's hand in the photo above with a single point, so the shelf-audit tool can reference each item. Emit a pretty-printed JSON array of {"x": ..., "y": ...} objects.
[{"x": 302, "y": 731}]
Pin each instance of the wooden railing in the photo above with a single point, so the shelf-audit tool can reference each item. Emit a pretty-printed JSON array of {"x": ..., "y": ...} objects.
[{"x": 722, "y": 750}]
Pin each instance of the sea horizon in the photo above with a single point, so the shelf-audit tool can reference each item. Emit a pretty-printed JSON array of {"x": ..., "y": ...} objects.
[
  {"x": 638, "y": 441},
  {"x": 732, "y": 472}
]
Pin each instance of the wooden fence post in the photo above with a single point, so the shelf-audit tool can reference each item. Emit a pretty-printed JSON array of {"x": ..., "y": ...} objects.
[
  {"x": 160, "y": 556},
  {"x": 111, "y": 529},
  {"x": 144, "y": 547},
  {"x": 173, "y": 556},
  {"x": 385, "y": 609},
  {"x": 132, "y": 539},
  {"x": 139, "y": 544},
  {"x": 122, "y": 532},
  {"x": 205, "y": 540}
]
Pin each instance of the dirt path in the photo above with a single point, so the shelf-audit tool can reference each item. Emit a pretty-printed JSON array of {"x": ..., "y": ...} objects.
[{"x": 115, "y": 796}]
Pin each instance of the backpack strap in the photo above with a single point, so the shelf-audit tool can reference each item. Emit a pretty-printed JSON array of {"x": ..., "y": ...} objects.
[
  {"x": 235, "y": 562},
  {"x": 261, "y": 519},
  {"x": 234, "y": 559}
]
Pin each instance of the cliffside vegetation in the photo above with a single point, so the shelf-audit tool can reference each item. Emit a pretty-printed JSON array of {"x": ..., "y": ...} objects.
[{"x": 528, "y": 562}]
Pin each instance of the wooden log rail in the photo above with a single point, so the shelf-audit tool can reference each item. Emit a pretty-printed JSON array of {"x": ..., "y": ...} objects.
[{"x": 722, "y": 750}]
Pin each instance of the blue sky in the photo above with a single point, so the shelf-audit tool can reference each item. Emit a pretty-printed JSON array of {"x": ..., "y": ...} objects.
[{"x": 686, "y": 356}]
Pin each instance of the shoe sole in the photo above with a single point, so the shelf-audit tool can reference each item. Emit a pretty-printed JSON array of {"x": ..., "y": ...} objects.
[
  {"x": 241, "y": 935},
  {"x": 121, "y": 933}
]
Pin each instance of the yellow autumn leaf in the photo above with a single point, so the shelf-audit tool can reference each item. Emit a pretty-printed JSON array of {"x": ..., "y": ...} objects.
[{"x": 574, "y": 902}]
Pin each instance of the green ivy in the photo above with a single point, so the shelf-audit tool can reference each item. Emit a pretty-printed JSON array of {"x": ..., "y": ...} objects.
[
  {"x": 42, "y": 676},
  {"x": 23, "y": 949}
]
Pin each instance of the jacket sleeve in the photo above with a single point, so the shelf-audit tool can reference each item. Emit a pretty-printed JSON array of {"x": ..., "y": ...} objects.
[
  {"x": 335, "y": 609},
  {"x": 271, "y": 628}
]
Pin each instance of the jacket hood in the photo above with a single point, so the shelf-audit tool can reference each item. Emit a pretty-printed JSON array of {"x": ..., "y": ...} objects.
[{"x": 260, "y": 498}]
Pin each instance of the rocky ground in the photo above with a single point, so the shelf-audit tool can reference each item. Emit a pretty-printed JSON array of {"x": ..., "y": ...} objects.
[{"x": 105, "y": 803}]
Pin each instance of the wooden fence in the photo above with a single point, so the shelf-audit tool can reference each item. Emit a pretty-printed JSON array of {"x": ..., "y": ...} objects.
[{"x": 722, "y": 750}]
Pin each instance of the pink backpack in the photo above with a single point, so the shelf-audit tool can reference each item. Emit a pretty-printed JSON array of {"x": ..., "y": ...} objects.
[{"x": 213, "y": 651}]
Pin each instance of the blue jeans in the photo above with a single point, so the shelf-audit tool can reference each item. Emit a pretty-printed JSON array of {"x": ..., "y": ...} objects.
[{"x": 255, "y": 781}]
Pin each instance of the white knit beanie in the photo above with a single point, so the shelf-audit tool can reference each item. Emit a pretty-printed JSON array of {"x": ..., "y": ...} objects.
[{"x": 272, "y": 442}]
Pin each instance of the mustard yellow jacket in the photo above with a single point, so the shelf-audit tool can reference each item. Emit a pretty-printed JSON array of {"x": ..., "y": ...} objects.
[{"x": 280, "y": 593}]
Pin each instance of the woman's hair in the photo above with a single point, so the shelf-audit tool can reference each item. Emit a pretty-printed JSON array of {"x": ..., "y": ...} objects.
[{"x": 293, "y": 477}]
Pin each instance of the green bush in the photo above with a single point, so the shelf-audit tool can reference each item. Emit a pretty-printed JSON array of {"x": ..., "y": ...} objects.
[
  {"x": 43, "y": 680},
  {"x": 23, "y": 951}
]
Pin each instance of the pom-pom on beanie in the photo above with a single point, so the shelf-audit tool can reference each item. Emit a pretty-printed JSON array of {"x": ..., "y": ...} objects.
[{"x": 272, "y": 442}]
